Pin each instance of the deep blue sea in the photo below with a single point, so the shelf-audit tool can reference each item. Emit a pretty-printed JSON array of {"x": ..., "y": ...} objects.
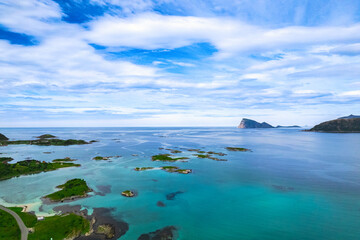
[{"x": 293, "y": 185}]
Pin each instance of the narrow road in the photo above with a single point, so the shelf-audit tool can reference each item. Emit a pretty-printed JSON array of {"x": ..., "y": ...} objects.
[{"x": 23, "y": 228}]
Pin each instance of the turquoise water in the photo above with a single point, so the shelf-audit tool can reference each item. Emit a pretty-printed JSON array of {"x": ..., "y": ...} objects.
[{"x": 237, "y": 199}]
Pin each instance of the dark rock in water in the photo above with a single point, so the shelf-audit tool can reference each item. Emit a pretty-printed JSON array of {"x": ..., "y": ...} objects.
[
  {"x": 341, "y": 125},
  {"x": 3, "y": 137},
  {"x": 283, "y": 188},
  {"x": 171, "y": 196},
  {"x": 103, "y": 190},
  {"x": 160, "y": 204},
  {"x": 248, "y": 123},
  {"x": 166, "y": 233}
]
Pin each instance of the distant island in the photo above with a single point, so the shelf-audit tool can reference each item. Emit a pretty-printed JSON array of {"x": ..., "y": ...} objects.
[
  {"x": 249, "y": 123},
  {"x": 43, "y": 140},
  {"x": 348, "y": 124}
]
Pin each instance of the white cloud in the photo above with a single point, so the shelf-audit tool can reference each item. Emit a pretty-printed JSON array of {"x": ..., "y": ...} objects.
[
  {"x": 153, "y": 31},
  {"x": 30, "y": 17}
]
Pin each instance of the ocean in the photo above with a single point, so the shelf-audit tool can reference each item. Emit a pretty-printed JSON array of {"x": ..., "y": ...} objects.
[{"x": 292, "y": 185}]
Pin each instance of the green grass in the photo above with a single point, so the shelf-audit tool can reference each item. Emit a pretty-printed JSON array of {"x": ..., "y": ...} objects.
[
  {"x": 60, "y": 227},
  {"x": 72, "y": 188},
  {"x": 166, "y": 158},
  {"x": 9, "y": 229},
  {"x": 28, "y": 218},
  {"x": 27, "y": 167}
]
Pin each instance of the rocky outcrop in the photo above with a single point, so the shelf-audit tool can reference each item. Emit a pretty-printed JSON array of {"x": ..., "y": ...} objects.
[
  {"x": 248, "y": 123},
  {"x": 3, "y": 137},
  {"x": 340, "y": 125}
]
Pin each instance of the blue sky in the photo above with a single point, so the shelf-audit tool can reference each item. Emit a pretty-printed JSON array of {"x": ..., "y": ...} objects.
[{"x": 177, "y": 63}]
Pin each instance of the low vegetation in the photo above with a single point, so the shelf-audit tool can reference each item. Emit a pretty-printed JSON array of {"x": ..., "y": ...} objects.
[
  {"x": 27, "y": 167},
  {"x": 9, "y": 229},
  {"x": 60, "y": 227},
  {"x": 71, "y": 189}
]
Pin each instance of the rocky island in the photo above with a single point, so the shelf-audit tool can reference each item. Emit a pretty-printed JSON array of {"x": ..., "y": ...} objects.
[
  {"x": 128, "y": 193},
  {"x": 166, "y": 158},
  {"x": 348, "y": 124},
  {"x": 72, "y": 189},
  {"x": 173, "y": 169},
  {"x": 248, "y": 123},
  {"x": 143, "y": 168},
  {"x": 237, "y": 149}
]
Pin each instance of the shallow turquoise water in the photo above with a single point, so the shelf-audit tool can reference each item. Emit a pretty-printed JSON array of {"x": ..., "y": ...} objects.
[{"x": 220, "y": 200}]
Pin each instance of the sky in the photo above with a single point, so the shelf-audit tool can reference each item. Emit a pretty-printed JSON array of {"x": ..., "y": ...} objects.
[{"x": 127, "y": 63}]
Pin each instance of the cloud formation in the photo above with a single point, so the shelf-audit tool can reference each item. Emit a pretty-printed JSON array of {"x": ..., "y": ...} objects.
[{"x": 163, "y": 63}]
